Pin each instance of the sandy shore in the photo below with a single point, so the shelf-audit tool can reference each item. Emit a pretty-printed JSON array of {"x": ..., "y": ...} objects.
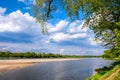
[{"x": 6, "y": 65}]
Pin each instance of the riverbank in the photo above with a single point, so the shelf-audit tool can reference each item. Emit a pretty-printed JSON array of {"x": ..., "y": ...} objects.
[
  {"x": 108, "y": 73},
  {"x": 6, "y": 65}
]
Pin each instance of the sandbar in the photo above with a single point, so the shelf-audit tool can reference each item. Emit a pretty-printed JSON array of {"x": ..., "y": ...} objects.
[{"x": 9, "y": 64}]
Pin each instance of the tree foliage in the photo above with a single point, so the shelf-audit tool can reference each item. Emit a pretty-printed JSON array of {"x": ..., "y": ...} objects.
[
  {"x": 101, "y": 16},
  {"x": 29, "y": 55},
  {"x": 9, "y": 54}
]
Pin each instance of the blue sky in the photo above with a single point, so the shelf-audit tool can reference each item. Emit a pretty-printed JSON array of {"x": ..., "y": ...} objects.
[{"x": 19, "y": 32}]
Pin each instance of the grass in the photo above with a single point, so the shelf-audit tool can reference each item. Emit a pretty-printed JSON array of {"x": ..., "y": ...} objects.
[
  {"x": 106, "y": 75},
  {"x": 105, "y": 72},
  {"x": 116, "y": 77}
]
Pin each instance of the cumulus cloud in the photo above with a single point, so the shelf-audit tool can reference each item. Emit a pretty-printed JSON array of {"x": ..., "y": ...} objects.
[
  {"x": 2, "y": 10},
  {"x": 76, "y": 36},
  {"x": 20, "y": 32},
  {"x": 66, "y": 37},
  {"x": 58, "y": 27},
  {"x": 17, "y": 22},
  {"x": 77, "y": 27},
  {"x": 72, "y": 31},
  {"x": 59, "y": 37},
  {"x": 17, "y": 27}
]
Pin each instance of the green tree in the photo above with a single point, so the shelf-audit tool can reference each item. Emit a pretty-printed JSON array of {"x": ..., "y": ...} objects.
[{"x": 101, "y": 16}]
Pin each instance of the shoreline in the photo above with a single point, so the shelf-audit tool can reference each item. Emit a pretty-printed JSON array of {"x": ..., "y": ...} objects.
[{"x": 6, "y": 65}]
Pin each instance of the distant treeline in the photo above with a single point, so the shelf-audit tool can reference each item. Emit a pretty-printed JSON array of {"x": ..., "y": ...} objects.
[
  {"x": 9, "y": 54},
  {"x": 28, "y": 55}
]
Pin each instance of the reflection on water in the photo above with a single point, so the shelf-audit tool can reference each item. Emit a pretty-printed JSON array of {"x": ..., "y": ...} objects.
[{"x": 64, "y": 70}]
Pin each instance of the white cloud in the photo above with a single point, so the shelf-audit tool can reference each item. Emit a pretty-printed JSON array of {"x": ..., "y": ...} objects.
[
  {"x": 17, "y": 22},
  {"x": 93, "y": 41},
  {"x": 27, "y": 8},
  {"x": 21, "y": 0},
  {"x": 79, "y": 35},
  {"x": 58, "y": 27},
  {"x": 2, "y": 10},
  {"x": 76, "y": 27},
  {"x": 66, "y": 37},
  {"x": 60, "y": 37},
  {"x": 72, "y": 31},
  {"x": 24, "y": 23},
  {"x": 62, "y": 50},
  {"x": 18, "y": 47},
  {"x": 27, "y": 1}
]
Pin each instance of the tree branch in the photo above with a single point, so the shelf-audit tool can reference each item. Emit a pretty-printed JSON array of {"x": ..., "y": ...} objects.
[{"x": 49, "y": 7}]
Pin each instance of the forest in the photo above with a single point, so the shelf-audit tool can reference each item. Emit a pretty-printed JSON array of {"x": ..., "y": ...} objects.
[{"x": 9, "y": 54}]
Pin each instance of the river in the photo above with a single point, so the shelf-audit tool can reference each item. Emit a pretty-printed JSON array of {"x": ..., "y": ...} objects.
[{"x": 64, "y": 70}]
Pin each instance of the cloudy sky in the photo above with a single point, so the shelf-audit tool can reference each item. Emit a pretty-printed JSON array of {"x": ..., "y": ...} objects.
[{"x": 19, "y": 32}]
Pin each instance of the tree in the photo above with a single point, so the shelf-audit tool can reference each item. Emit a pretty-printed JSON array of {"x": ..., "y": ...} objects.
[{"x": 101, "y": 16}]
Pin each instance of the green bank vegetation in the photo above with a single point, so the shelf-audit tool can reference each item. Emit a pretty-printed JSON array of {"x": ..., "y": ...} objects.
[
  {"x": 112, "y": 72},
  {"x": 108, "y": 73},
  {"x": 9, "y": 54}
]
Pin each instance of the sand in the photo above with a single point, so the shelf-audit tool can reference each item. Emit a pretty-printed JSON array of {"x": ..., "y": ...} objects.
[{"x": 6, "y": 65}]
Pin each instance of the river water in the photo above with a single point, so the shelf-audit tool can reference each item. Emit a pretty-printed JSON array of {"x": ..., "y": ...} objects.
[{"x": 64, "y": 70}]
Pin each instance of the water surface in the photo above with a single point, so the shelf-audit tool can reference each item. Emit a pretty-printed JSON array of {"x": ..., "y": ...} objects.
[{"x": 64, "y": 70}]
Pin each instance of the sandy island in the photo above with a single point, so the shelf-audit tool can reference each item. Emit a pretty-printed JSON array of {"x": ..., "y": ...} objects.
[{"x": 6, "y": 65}]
